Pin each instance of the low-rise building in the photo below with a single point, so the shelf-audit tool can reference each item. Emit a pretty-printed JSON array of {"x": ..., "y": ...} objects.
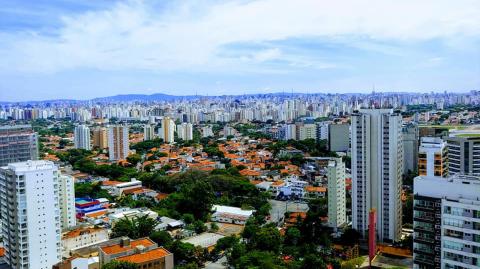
[
  {"x": 131, "y": 213},
  {"x": 230, "y": 214},
  {"x": 81, "y": 237},
  {"x": 143, "y": 252},
  {"x": 90, "y": 208}
]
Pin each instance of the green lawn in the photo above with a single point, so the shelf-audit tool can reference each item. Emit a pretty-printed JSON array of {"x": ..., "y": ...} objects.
[
  {"x": 468, "y": 135},
  {"x": 458, "y": 127}
]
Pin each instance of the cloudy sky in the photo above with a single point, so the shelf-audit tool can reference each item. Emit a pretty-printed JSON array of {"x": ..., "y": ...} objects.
[{"x": 84, "y": 49}]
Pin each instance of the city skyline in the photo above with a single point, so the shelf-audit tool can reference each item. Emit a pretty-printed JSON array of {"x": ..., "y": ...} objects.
[{"x": 67, "y": 50}]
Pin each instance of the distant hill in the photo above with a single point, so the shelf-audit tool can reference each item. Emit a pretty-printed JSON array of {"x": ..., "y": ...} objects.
[
  {"x": 142, "y": 97},
  {"x": 166, "y": 97}
]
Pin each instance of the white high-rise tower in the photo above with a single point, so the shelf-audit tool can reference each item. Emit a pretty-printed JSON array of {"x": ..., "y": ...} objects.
[
  {"x": 29, "y": 194},
  {"x": 185, "y": 131},
  {"x": 377, "y": 166},
  {"x": 82, "y": 137}
]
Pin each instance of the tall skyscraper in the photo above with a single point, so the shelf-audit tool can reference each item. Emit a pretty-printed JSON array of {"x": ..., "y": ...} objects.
[
  {"x": 100, "y": 137},
  {"x": 446, "y": 222},
  {"x": 377, "y": 166},
  {"x": 148, "y": 132},
  {"x": 185, "y": 131},
  {"x": 167, "y": 130},
  {"x": 30, "y": 214},
  {"x": 82, "y": 137},
  {"x": 337, "y": 215},
  {"x": 67, "y": 201},
  {"x": 18, "y": 143},
  {"x": 464, "y": 154},
  {"x": 118, "y": 143},
  {"x": 432, "y": 157}
]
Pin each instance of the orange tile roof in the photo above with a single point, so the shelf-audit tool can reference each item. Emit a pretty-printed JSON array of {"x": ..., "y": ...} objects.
[
  {"x": 132, "y": 190},
  {"x": 247, "y": 172},
  {"x": 278, "y": 183},
  {"x": 114, "y": 249},
  {"x": 96, "y": 214},
  {"x": 315, "y": 189},
  {"x": 2, "y": 252},
  {"x": 161, "y": 196},
  {"x": 147, "y": 256},
  {"x": 110, "y": 182}
]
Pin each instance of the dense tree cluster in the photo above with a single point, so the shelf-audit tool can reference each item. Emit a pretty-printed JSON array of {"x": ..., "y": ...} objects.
[{"x": 81, "y": 160}]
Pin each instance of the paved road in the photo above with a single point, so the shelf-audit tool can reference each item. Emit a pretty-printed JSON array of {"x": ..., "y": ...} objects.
[{"x": 279, "y": 207}]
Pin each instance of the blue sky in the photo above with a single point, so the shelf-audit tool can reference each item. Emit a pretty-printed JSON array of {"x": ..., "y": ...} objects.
[{"x": 85, "y": 49}]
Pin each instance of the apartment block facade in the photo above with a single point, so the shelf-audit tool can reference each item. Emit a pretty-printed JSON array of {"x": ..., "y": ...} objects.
[
  {"x": 446, "y": 222},
  {"x": 30, "y": 214},
  {"x": 377, "y": 166},
  {"x": 18, "y": 143},
  {"x": 433, "y": 157}
]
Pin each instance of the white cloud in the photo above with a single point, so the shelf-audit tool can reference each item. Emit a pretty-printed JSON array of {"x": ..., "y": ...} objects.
[{"x": 135, "y": 35}]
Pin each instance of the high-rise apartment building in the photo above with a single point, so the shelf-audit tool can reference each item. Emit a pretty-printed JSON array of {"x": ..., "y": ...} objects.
[
  {"x": 337, "y": 215},
  {"x": 207, "y": 131},
  {"x": 82, "y": 137},
  {"x": 100, "y": 137},
  {"x": 229, "y": 131},
  {"x": 66, "y": 201},
  {"x": 148, "y": 132},
  {"x": 30, "y": 214},
  {"x": 290, "y": 131},
  {"x": 167, "y": 130},
  {"x": 307, "y": 131},
  {"x": 322, "y": 130},
  {"x": 410, "y": 134},
  {"x": 377, "y": 166},
  {"x": 432, "y": 157},
  {"x": 339, "y": 137},
  {"x": 118, "y": 143},
  {"x": 18, "y": 143},
  {"x": 446, "y": 222},
  {"x": 185, "y": 131},
  {"x": 464, "y": 154}
]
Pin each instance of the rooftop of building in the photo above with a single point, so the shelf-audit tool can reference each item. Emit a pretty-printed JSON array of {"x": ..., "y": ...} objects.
[
  {"x": 454, "y": 187},
  {"x": 232, "y": 210},
  {"x": 146, "y": 256},
  {"x": 80, "y": 231},
  {"x": 122, "y": 247},
  {"x": 31, "y": 166}
]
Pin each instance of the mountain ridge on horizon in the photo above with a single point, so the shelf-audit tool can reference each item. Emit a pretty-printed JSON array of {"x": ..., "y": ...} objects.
[{"x": 169, "y": 97}]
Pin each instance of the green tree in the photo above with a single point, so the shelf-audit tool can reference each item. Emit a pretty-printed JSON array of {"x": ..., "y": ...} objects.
[
  {"x": 134, "y": 228},
  {"x": 162, "y": 238},
  {"x": 134, "y": 159},
  {"x": 350, "y": 237},
  {"x": 292, "y": 236},
  {"x": 259, "y": 259},
  {"x": 267, "y": 238},
  {"x": 313, "y": 261},
  {"x": 187, "y": 253}
]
